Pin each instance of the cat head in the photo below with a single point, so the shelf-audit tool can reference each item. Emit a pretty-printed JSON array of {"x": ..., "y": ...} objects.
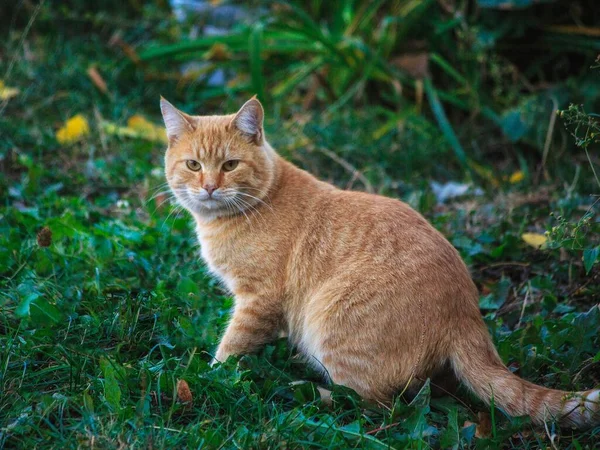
[{"x": 218, "y": 165}]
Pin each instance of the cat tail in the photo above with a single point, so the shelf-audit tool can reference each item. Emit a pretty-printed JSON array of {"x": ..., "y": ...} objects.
[{"x": 477, "y": 364}]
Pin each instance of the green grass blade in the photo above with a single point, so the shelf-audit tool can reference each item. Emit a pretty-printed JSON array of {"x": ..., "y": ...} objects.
[
  {"x": 256, "y": 63},
  {"x": 447, "y": 67},
  {"x": 286, "y": 86},
  {"x": 202, "y": 44},
  {"x": 442, "y": 120}
]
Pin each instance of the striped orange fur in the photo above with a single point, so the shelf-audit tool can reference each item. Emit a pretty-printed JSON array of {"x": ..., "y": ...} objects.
[{"x": 362, "y": 284}]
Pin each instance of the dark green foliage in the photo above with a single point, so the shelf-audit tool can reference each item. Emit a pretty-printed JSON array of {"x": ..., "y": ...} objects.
[{"x": 474, "y": 58}]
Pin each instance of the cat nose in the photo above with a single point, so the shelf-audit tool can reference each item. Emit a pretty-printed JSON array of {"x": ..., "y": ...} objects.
[{"x": 210, "y": 188}]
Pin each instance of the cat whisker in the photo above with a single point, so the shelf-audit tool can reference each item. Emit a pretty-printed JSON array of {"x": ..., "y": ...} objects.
[
  {"x": 255, "y": 205},
  {"x": 226, "y": 205},
  {"x": 231, "y": 210},
  {"x": 241, "y": 209},
  {"x": 250, "y": 188},
  {"x": 248, "y": 206},
  {"x": 230, "y": 207},
  {"x": 263, "y": 193},
  {"x": 160, "y": 186},
  {"x": 157, "y": 190},
  {"x": 255, "y": 198},
  {"x": 158, "y": 194},
  {"x": 236, "y": 192},
  {"x": 171, "y": 200},
  {"x": 178, "y": 213},
  {"x": 177, "y": 210}
]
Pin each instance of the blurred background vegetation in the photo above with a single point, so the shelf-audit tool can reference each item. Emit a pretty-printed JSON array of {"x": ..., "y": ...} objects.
[
  {"x": 475, "y": 82},
  {"x": 479, "y": 113}
]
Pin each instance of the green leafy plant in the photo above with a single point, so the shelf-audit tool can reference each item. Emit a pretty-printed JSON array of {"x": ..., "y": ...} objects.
[
  {"x": 585, "y": 128},
  {"x": 345, "y": 53}
]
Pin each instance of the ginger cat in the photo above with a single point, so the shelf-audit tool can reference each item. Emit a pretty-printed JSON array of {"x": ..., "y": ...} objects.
[{"x": 363, "y": 285}]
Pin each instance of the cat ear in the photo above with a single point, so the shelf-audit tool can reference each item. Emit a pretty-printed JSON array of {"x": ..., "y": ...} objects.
[
  {"x": 176, "y": 122},
  {"x": 249, "y": 120}
]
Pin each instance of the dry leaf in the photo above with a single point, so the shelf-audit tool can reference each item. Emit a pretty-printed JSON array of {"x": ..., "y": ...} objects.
[
  {"x": 415, "y": 64},
  {"x": 536, "y": 240},
  {"x": 97, "y": 80},
  {"x": 576, "y": 29},
  {"x": 218, "y": 52},
  {"x": 73, "y": 130},
  {"x": 117, "y": 40},
  {"x": 44, "y": 237},
  {"x": 161, "y": 199},
  {"x": 563, "y": 255},
  {"x": 184, "y": 394},
  {"x": 6, "y": 92},
  {"x": 483, "y": 429},
  {"x": 325, "y": 395}
]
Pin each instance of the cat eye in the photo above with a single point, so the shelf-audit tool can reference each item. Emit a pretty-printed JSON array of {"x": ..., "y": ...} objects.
[
  {"x": 194, "y": 166},
  {"x": 228, "y": 166}
]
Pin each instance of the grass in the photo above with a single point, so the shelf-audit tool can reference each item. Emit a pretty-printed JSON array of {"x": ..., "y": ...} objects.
[{"x": 99, "y": 322}]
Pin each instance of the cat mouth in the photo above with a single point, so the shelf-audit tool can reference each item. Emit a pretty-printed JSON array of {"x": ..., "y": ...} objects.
[
  {"x": 199, "y": 202},
  {"x": 226, "y": 202}
]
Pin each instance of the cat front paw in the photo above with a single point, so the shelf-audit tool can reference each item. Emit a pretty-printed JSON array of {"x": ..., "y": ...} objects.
[{"x": 220, "y": 357}]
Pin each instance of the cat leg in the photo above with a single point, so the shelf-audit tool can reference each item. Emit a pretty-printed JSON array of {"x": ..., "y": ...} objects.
[{"x": 252, "y": 325}]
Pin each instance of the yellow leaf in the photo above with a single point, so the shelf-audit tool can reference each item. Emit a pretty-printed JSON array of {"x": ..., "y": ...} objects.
[
  {"x": 137, "y": 128},
  {"x": 146, "y": 129},
  {"x": 516, "y": 177},
  {"x": 534, "y": 239},
  {"x": 484, "y": 172},
  {"x": 7, "y": 92},
  {"x": 138, "y": 122},
  {"x": 218, "y": 52},
  {"x": 115, "y": 130},
  {"x": 73, "y": 130}
]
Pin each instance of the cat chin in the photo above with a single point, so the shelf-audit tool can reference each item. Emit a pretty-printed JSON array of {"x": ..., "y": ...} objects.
[
  {"x": 208, "y": 210},
  {"x": 211, "y": 205},
  {"x": 200, "y": 206},
  {"x": 208, "y": 215}
]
